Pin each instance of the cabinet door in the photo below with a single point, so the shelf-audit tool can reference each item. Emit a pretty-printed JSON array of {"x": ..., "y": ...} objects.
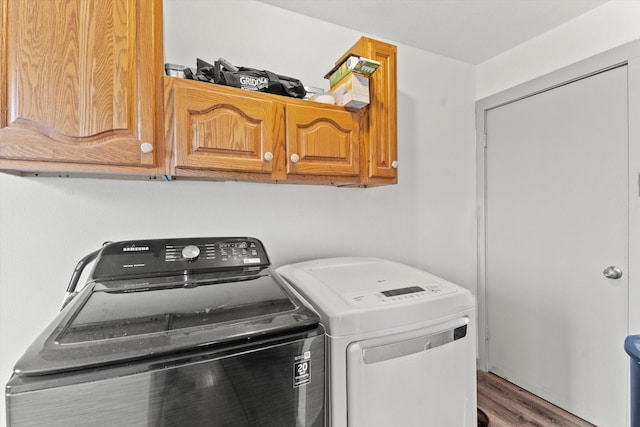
[
  {"x": 217, "y": 129},
  {"x": 80, "y": 84},
  {"x": 322, "y": 141},
  {"x": 381, "y": 151}
]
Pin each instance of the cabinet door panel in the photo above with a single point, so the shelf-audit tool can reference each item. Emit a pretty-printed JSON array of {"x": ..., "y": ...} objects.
[
  {"x": 381, "y": 149},
  {"x": 326, "y": 142},
  {"x": 220, "y": 131},
  {"x": 82, "y": 81},
  {"x": 382, "y": 114}
]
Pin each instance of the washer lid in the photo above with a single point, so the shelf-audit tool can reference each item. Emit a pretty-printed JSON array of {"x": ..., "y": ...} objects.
[
  {"x": 356, "y": 295},
  {"x": 125, "y": 320}
]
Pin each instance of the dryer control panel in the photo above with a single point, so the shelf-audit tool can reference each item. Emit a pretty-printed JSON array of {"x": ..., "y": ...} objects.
[
  {"x": 147, "y": 258},
  {"x": 400, "y": 295}
]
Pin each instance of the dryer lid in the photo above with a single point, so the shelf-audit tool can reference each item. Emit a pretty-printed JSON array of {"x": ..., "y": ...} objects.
[{"x": 355, "y": 295}]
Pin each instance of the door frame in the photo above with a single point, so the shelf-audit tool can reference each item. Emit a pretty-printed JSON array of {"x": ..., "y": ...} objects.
[{"x": 627, "y": 54}]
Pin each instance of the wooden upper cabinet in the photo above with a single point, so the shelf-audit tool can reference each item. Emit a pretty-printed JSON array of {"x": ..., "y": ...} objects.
[
  {"x": 322, "y": 141},
  {"x": 381, "y": 149},
  {"x": 215, "y": 129},
  {"x": 81, "y": 86},
  {"x": 220, "y": 132},
  {"x": 81, "y": 90}
]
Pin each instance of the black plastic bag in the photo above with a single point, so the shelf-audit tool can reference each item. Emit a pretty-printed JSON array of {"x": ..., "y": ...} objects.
[{"x": 249, "y": 79}]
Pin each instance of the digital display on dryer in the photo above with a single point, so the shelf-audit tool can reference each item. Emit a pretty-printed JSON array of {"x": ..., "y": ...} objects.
[{"x": 402, "y": 291}]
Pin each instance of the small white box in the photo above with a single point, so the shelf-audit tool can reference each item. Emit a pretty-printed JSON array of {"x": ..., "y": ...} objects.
[{"x": 352, "y": 91}]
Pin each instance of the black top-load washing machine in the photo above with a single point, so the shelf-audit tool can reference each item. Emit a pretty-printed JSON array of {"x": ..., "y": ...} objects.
[{"x": 175, "y": 332}]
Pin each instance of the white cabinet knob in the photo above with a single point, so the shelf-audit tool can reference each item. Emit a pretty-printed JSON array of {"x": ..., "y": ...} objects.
[
  {"x": 295, "y": 158},
  {"x": 268, "y": 156},
  {"x": 146, "y": 147},
  {"x": 394, "y": 164}
]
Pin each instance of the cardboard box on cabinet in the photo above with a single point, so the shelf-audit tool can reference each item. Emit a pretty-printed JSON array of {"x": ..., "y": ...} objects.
[{"x": 352, "y": 91}]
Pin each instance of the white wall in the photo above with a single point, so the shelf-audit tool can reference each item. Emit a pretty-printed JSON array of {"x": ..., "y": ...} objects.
[
  {"x": 428, "y": 219},
  {"x": 603, "y": 28}
]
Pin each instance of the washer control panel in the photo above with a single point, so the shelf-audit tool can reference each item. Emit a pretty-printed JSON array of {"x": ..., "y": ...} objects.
[{"x": 168, "y": 256}]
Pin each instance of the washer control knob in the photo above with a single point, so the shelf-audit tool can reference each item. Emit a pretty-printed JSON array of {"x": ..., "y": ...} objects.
[{"x": 191, "y": 252}]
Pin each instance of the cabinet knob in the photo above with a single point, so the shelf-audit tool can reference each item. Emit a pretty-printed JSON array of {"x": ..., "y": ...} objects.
[
  {"x": 295, "y": 158},
  {"x": 394, "y": 164},
  {"x": 146, "y": 147},
  {"x": 268, "y": 156}
]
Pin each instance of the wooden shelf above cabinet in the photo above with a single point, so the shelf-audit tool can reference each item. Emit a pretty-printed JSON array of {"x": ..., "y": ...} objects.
[{"x": 219, "y": 132}]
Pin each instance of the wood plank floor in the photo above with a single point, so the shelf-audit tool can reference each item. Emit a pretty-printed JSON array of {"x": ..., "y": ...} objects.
[{"x": 508, "y": 405}]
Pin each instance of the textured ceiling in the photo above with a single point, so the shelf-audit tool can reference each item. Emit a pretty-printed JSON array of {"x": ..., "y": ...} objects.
[{"x": 468, "y": 30}]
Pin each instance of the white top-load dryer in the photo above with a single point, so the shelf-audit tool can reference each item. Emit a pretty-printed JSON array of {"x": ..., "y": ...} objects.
[{"x": 401, "y": 341}]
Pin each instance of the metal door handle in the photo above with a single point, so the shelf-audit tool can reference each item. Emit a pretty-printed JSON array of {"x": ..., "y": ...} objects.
[{"x": 612, "y": 272}]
